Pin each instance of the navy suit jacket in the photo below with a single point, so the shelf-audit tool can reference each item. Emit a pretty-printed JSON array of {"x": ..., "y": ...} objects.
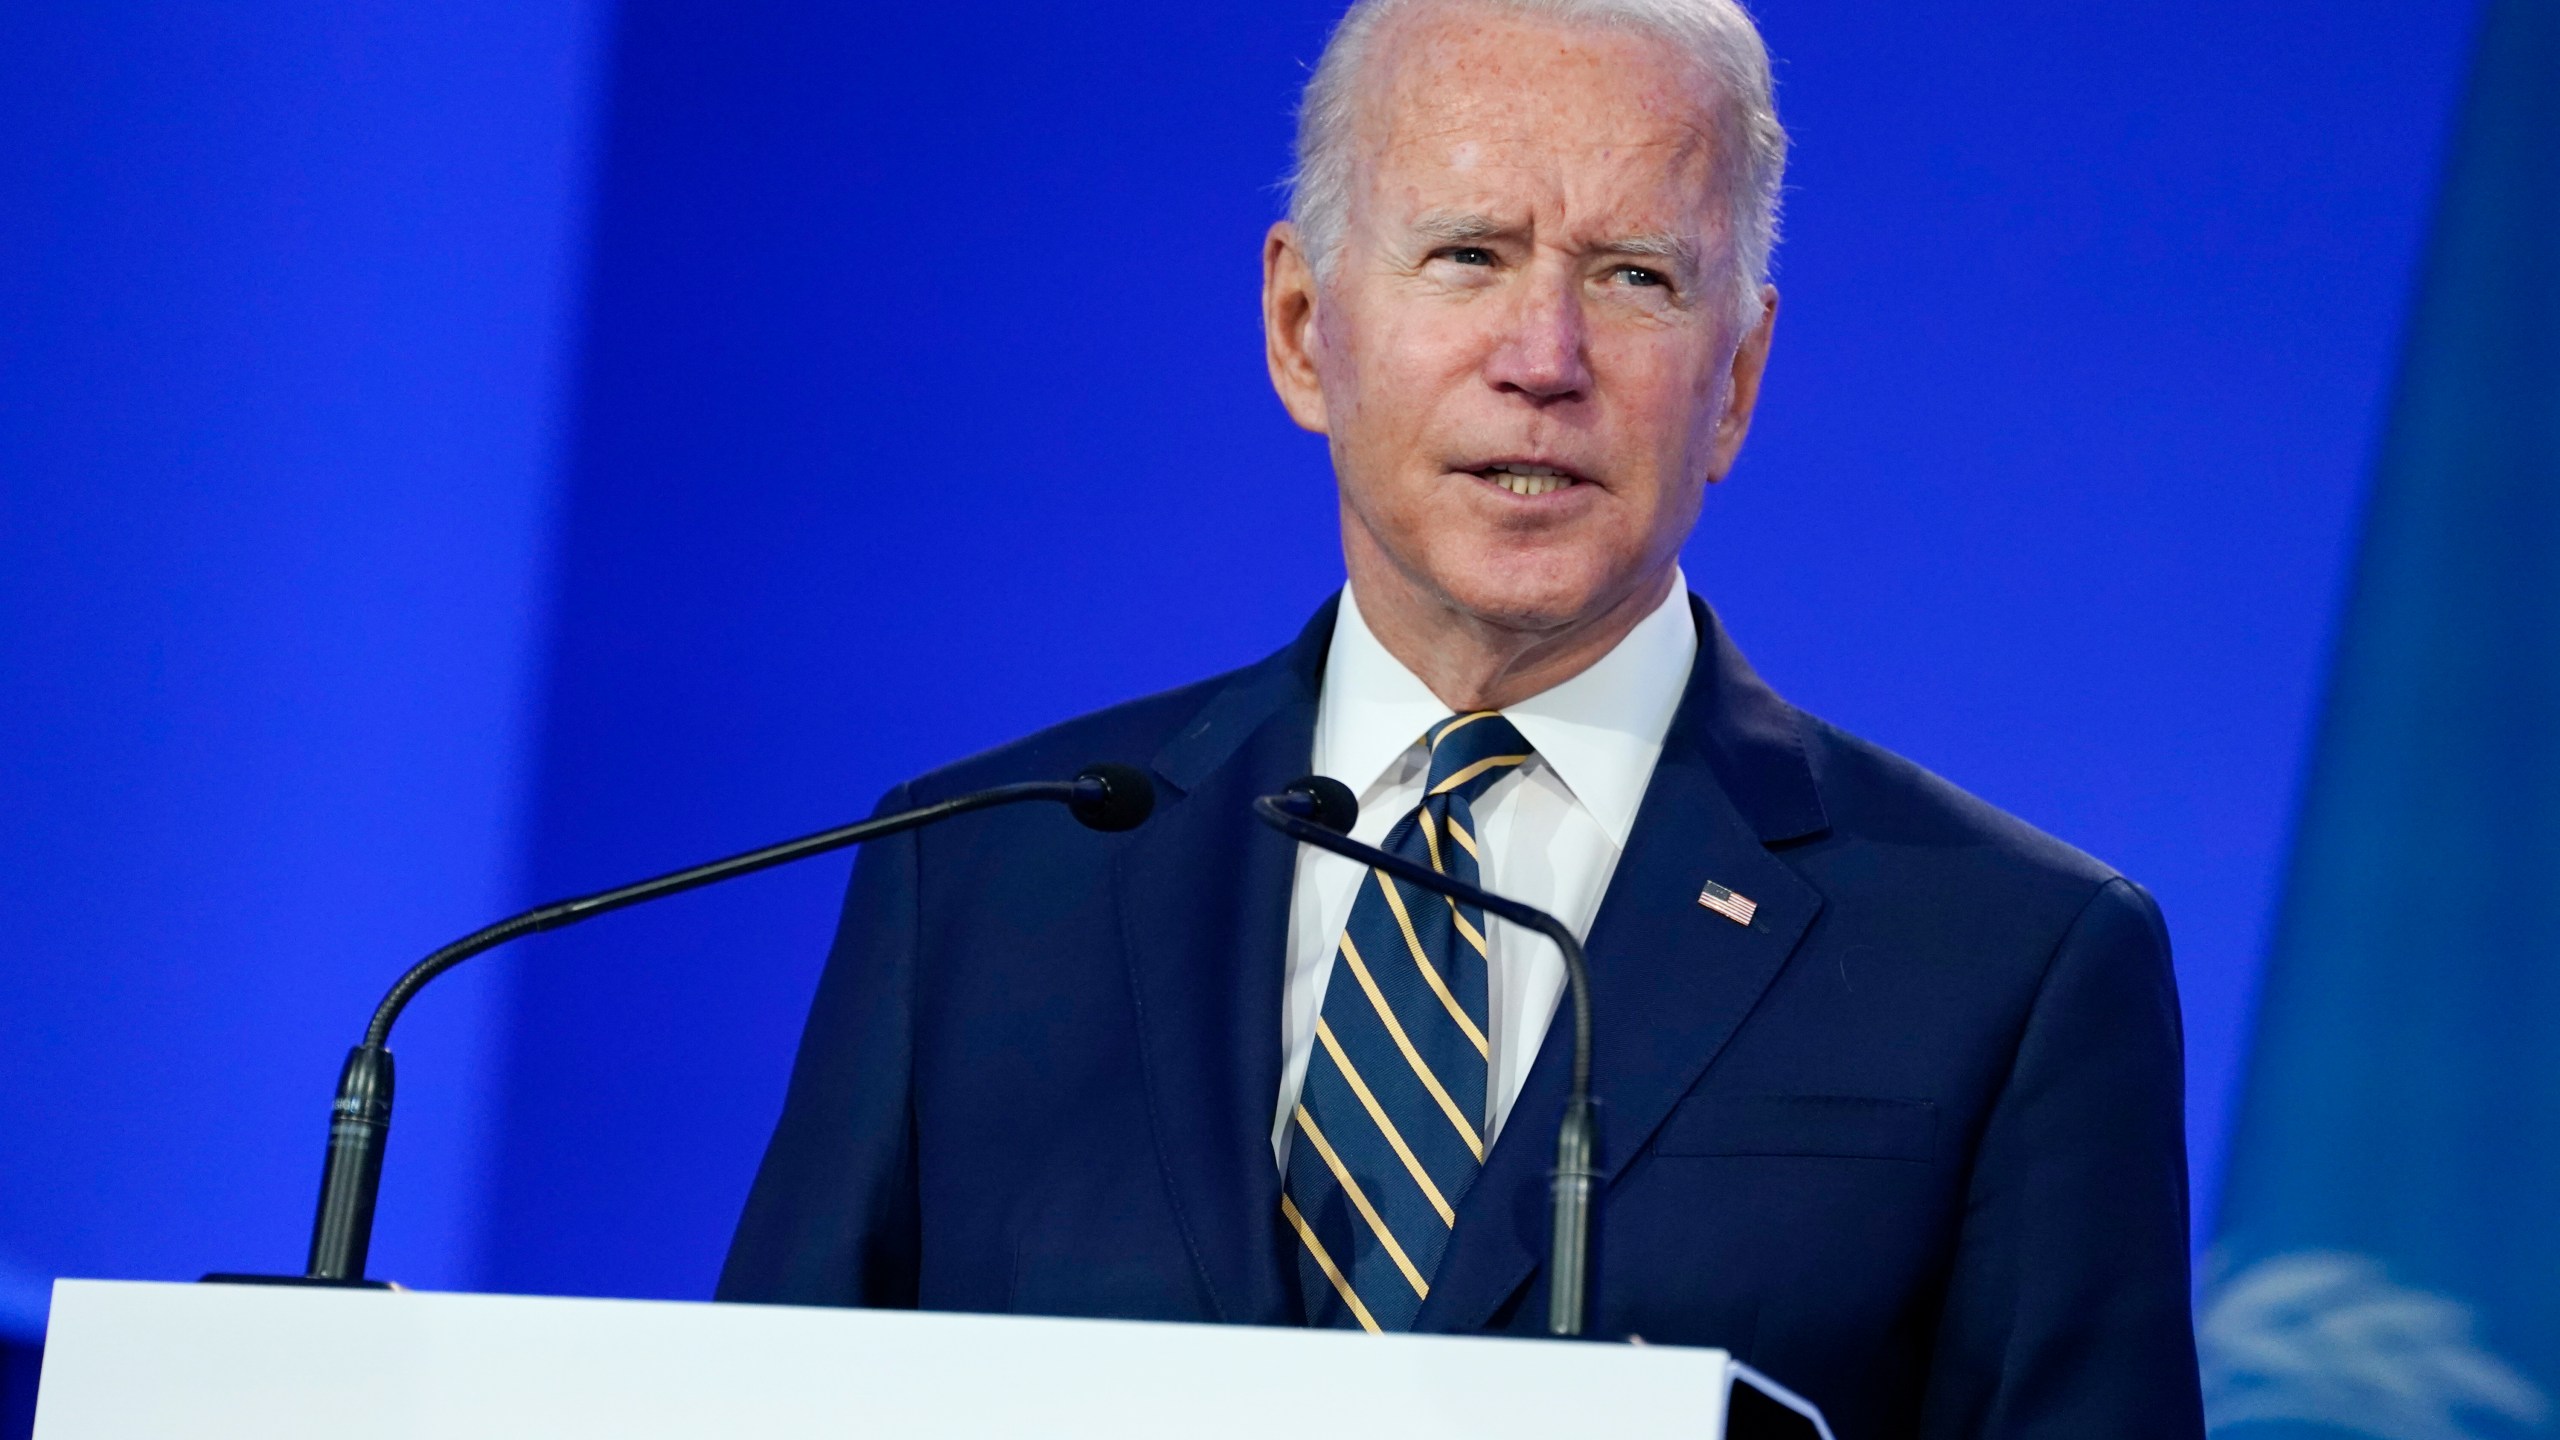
[{"x": 1910, "y": 1141}]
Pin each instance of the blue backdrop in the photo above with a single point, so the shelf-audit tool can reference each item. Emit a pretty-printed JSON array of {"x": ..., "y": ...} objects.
[
  {"x": 455, "y": 459},
  {"x": 285, "y": 303}
]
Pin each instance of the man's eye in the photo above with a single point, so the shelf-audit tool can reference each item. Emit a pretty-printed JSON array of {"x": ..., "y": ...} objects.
[
  {"x": 1638, "y": 275},
  {"x": 1469, "y": 255}
]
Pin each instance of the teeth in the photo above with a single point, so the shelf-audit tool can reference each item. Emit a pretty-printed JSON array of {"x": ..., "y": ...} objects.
[{"x": 1527, "y": 479}]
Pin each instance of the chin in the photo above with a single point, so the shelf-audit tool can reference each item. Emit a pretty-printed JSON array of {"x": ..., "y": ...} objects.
[{"x": 1544, "y": 593}]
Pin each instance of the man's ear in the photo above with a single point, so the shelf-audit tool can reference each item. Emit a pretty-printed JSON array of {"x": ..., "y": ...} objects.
[
  {"x": 1289, "y": 325},
  {"x": 1742, "y": 388}
]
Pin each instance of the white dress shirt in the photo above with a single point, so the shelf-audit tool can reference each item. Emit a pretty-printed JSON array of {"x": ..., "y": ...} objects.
[{"x": 1552, "y": 830}]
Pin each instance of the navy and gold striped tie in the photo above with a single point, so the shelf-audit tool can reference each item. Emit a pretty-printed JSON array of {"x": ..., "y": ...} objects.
[{"x": 1389, "y": 1128}]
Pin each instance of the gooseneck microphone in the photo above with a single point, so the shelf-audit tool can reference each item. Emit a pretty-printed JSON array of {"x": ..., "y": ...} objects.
[
  {"x": 1104, "y": 797},
  {"x": 1319, "y": 810}
]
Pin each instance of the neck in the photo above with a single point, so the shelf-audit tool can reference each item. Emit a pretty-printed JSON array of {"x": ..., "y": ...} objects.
[{"x": 1472, "y": 663}]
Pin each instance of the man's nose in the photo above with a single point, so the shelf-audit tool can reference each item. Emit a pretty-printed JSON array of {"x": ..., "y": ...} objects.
[{"x": 1540, "y": 352}]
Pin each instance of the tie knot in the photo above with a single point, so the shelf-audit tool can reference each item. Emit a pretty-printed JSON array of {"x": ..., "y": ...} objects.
[{"x": 1469, "y": 752}]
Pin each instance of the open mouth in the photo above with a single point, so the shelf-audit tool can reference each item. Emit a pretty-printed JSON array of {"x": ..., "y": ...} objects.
[{"x": 1528, "y": 480}]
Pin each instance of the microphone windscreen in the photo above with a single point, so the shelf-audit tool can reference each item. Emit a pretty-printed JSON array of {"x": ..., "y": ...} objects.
[
  {"x": 1113, "y": 797},
  {"x": 1330, "y": 802}
]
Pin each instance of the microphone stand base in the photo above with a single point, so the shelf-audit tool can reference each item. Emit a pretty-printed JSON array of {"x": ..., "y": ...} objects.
[{"x": 231, "y": 1277}]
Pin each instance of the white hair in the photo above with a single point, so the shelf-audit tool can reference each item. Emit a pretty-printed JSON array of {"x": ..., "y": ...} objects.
[{"x": 1718, "y": 35}]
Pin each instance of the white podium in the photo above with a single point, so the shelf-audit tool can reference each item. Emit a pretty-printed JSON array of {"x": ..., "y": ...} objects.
[{"x": 212, "y": 1362}]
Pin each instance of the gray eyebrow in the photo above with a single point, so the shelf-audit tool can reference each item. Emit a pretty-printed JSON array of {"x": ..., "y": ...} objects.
[
  {"x": 1681, "y": 253},
  {"x": 1456, "y": 228}
]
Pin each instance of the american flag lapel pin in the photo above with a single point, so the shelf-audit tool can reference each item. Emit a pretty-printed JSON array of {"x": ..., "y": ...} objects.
[{"x": 1737, "y": 908}]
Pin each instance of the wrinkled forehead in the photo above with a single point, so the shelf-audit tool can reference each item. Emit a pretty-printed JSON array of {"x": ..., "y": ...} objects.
[{"x": 1466, "y": 102}]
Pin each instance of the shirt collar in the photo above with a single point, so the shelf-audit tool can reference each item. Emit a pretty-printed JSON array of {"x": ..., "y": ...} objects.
[
  {"x": 1373, "y": 710},
  {"x": 1600, "y": 731}
]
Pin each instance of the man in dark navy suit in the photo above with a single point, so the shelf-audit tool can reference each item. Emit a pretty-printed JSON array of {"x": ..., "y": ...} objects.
[{"x": 1889, "y": 1082}]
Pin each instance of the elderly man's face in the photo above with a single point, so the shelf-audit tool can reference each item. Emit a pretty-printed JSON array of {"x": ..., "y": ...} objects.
[{"x": 1527, "y": 357}]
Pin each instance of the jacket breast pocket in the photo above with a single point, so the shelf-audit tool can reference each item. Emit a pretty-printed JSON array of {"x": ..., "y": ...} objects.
[{"x": 1843, "y": 1126}]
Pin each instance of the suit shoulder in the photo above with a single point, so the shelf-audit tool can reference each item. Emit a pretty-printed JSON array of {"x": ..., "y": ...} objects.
[
  {"x": 1913, "y": 860},
  {"x": 1131, "y": 733},
  {"x": 1872, "y": 796}
]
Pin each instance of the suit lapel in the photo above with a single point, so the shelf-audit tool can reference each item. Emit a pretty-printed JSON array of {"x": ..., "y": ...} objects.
[
  {"x": 1204, "y": 906},
  {"x": 1671, "y": 981}
]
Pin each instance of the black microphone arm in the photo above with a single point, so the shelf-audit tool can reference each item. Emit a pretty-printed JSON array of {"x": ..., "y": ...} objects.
[
  {"x": 1319, "y": 810},
  {"x": 1104, "y": 797}
]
